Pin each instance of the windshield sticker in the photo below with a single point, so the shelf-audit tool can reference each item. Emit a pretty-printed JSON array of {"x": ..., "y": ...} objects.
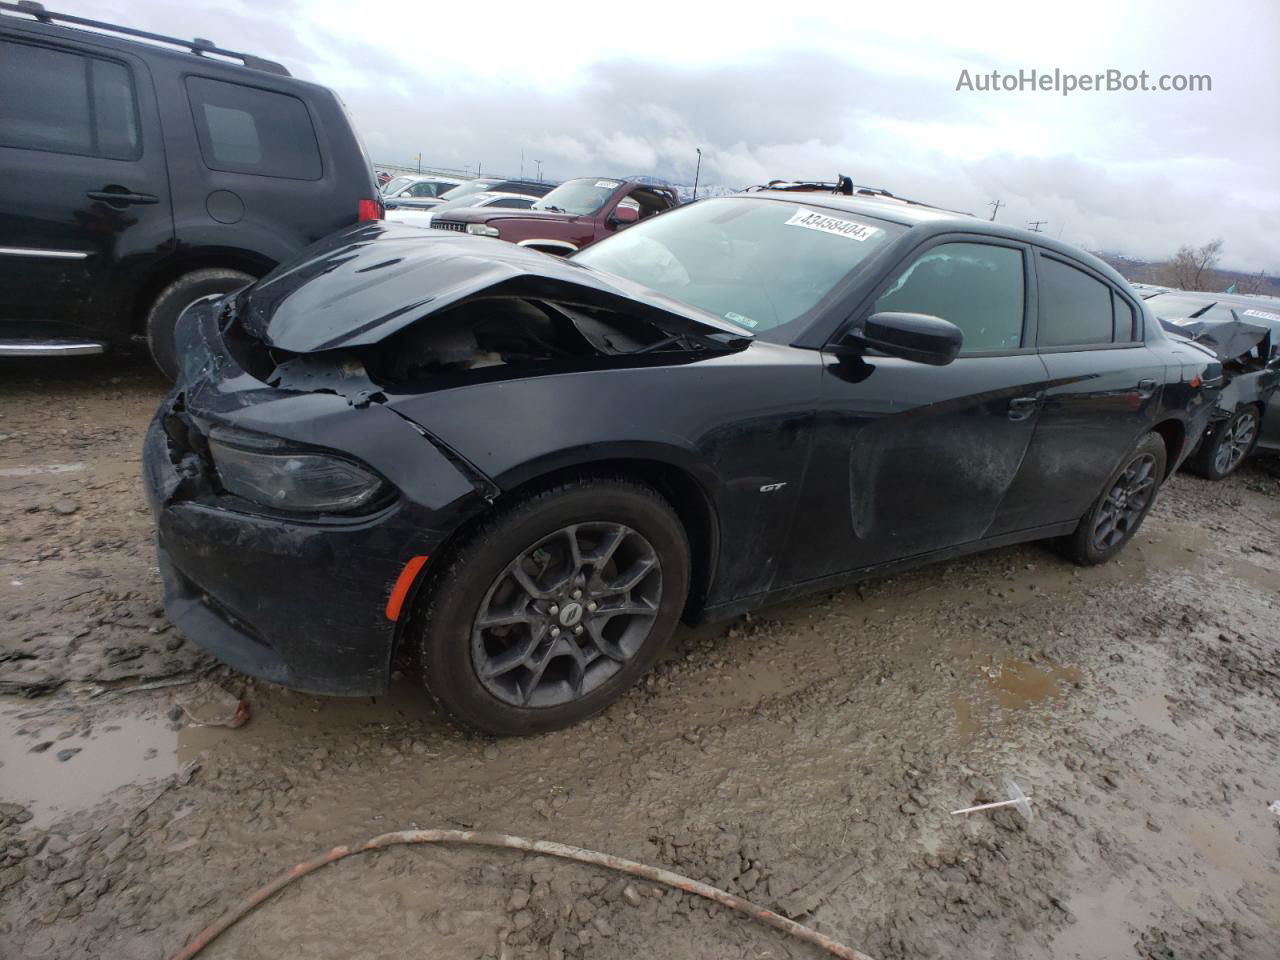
[
  {"x": 741, "y": 320},
  {"x": 1263, "y": 315},
  {"x": 607, "y": 183},
  {"x": 841, "y": 228}
]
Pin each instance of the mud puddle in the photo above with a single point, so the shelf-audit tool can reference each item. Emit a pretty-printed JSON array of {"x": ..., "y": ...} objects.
[{"x": 55, "y": 770}]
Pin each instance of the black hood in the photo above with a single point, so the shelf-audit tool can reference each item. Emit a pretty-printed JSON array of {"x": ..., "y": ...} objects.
[{"x": 362, "y": 285}]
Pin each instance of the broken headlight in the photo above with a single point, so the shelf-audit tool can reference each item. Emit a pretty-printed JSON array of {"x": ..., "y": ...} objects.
[
  {"x": 264, "y": 471},
  {"x": 481, "y": 230}
]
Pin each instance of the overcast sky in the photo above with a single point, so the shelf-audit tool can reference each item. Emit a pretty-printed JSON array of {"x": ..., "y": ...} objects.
[{"x": 811, "y": 91}]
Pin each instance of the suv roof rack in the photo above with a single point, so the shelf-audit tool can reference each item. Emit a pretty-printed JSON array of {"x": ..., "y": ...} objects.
[{"x": 199, "y": 46}]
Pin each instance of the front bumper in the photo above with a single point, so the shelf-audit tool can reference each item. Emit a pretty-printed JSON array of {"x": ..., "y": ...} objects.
[{"x": 297, "y": 601}]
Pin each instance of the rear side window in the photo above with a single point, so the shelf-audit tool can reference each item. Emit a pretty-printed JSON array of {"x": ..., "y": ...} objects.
[
  {"x": 519, "y": 203},
  {"x": 62, "y": 102},
  {"x": 1075, "y": 309},
  {"x": 248, "y": 130},
  {"x": 976, "y": 286},
  {"x": 1126, "y": 319}
]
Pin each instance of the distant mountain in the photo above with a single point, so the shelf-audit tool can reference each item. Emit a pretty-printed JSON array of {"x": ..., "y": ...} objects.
[{"x": 1137, "y": 270}]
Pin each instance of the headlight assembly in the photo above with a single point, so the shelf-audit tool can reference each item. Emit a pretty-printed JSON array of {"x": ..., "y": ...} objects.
[
  {"x": 264, "y": 471},
  {"x": 481, "y": 230}
]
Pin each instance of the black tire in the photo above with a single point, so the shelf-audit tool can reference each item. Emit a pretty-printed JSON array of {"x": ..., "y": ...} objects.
[
  {"x": 554, "y": 684},
  {"x": 1219, "y": 454},
  {"x": 162, "y": 319},
  {"x": 1088, "y": 545}
]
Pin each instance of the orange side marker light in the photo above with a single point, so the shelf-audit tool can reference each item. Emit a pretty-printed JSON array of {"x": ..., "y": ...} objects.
[{"x": 403, "y": 583}]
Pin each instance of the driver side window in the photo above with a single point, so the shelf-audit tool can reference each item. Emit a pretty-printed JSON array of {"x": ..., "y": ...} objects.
[{"x": 977, "y": 286}]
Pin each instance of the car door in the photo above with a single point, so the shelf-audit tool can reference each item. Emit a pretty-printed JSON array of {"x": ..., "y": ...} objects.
[
  {"x": 1101, "y": 395},
  {"x": 84, "y": 193},
  {"x": 909, "y": 458}
]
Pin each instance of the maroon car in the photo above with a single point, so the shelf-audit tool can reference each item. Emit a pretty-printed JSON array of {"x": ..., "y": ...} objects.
[{"x": 574, "y": 215}]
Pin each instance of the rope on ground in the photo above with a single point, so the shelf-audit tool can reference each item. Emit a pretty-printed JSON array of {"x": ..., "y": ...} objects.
[{"x": 547, "y": 847}]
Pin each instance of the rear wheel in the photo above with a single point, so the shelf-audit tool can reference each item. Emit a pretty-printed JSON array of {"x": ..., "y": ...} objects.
[
  {"x": 162, "y": 321},
  {"x": 1122, "y": 505},
  {"x": 1231, "y": 442},
  {"x": 550, "y": 610}
]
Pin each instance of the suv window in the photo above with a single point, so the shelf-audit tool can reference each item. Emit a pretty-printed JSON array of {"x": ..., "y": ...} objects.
[
  {"x": 522, "y": 203},
  {"x": 1075, "y": 309},
  {"x": 976, "y": 286},
  {"x": 248, "y": 130},
  {"x": 65, "y": 103}
]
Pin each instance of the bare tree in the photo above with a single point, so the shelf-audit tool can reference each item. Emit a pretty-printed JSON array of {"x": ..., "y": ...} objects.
[
  {"x": 1193, "y": 268},
  {"x": 1254, "y": 284}
]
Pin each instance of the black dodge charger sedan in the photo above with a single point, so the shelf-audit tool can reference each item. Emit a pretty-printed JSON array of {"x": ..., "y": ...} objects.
[{"x": 526, "y": 470}]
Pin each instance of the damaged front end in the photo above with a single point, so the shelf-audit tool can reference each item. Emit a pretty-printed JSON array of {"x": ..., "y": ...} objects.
[
  {"x": 386, "y": 308},
  {"x": 1250, "y": 359},
  {"x": 282, "y": 470}
]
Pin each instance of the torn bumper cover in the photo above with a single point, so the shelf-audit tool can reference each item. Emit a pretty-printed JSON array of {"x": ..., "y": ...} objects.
[{"x": 296, "y": 600}]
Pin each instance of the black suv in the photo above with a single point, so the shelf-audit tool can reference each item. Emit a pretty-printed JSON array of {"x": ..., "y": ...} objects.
[{"x": 136, "y": 179}]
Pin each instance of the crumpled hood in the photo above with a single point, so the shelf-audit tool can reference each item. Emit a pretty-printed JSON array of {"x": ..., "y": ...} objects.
[
  {"x": 1228, "y": 339},
  {"x": 362, "y": 285}
]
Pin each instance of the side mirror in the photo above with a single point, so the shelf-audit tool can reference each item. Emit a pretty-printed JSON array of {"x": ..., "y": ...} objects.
[
  {"x": 625, "y": 215},
  {"x": 406, "y": 194},
  {"x": 912, "y": 336}
]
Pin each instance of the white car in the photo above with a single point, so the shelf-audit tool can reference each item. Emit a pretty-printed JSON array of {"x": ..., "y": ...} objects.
[
  {"x": 422, "y": 218},
  {"x": 418, "y": 191}
]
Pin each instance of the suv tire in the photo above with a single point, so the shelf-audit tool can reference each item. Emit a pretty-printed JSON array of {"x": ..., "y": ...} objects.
[
  {"x": 570, "y": 664},
  {"x": 162, "y": 320}
]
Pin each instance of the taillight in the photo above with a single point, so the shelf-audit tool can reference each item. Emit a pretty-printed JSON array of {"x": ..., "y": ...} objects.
[{"x": 368, "y": 210}]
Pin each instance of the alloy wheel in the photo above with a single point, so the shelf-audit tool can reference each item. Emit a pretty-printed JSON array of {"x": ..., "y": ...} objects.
[
  {"x": 1235, "y": 442},
  {"x": 1125, "y": 503},
  {"x": 566, "y": 614}
]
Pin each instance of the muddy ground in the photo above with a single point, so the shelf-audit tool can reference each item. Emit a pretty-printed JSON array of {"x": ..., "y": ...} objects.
[{"x": 806, "y": 757}]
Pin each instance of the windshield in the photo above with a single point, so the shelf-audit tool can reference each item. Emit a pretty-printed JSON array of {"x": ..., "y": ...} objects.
[
  {"x": 396, "y": 183},
  {"x": 579, "y": 197},
  {"x": 760, "y": 264},
  {"x": 467, "y": 189}
]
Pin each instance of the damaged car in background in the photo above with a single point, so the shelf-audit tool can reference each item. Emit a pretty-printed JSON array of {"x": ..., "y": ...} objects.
[
  {"x": 524, "y": 470},
  {"x": 1251, "y": 364},
  {"x": 1244, "y": 333}
]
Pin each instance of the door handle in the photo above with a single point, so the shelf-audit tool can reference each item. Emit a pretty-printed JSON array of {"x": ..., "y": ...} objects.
[
  {"x": 1146, "y": 388},
  {"x": 121, "y": 196},
  {"x": 1020, "y": 408}
]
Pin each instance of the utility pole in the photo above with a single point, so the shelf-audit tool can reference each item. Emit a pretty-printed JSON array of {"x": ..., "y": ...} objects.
[
  {"x": 479, "y": 167},
  {"x": 419, "y": 163},
  {"x": 539, "y": 163},
  {"x": 696, "y": 173},
  {"x": 1035, "y": 225},
  {"x": 996, "y": 205}
]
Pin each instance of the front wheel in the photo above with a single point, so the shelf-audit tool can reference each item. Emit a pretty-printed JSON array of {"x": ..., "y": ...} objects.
[
  {"x": 547, "y": 612},
  {"x": 1122, "y": 505},
  {"x": 1231, "y": 442}
]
